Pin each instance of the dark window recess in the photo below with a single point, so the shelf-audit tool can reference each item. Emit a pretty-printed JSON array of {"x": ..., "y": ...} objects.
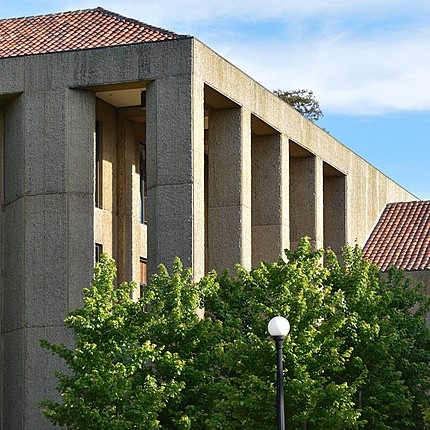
[
  {"x": 98, "y": 166},
  {"x": 98, "y": 251},
  {"x": 143, "y": 185},
  {"x": 143, "y": 275}
]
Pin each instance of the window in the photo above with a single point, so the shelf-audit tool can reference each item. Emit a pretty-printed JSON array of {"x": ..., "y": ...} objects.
[
  {"x": 98, "y": 166},
  {"x": 98, "y": 252},
  {"x": 143, "y": 274},
  {"x": 143, "y": 185}
]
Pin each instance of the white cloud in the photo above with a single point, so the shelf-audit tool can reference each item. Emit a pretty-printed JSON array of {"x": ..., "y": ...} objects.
[
  {"x": 189, "y": 11},
  {"x": 381, "y": 71},
  {"x": 356, "y": 76}
]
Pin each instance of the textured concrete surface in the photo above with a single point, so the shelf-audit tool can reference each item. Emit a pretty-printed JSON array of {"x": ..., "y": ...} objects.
[
  {"x": 303, "y": 199},
  {"x": 175, "y": 171},
  {"x": 256, "y": 202},
  {"x": 368, "y": 190},
  {"x": 49, "y": 234},
  {"x": 229, "y": 179},
  {"x": 270, "y": 169}
]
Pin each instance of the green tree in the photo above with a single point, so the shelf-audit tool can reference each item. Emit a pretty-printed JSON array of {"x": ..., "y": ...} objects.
[
  {"x": 356, "y": 357},
  {"x": 111, "y": 383},
  {"x": 229, "y": 360},
  {"x": 390, "y": 342},
  {"x": 303, "y": 101}
]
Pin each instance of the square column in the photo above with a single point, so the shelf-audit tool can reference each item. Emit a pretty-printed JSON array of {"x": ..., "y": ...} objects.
[
  {"x": 269, "y": 198},
  {"x": 49, "y": 239},
  {"x": 175, "y": 173},
  {"x": 306, "y": 199},
  {"x": 126, "y": 201},
  {"x": 229, "y": 193}
]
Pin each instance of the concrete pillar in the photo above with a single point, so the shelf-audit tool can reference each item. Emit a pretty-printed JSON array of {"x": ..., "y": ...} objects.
[
  {"x": 106, "y": 214},
  {"x": 269, "y": 198},
  {"x": 175, "y": 170},
  {"x": 306, "y": 200},
  {"x": 334, "y": 211},
  {"x": 49, "y": 223},
  {"x": 229, "y": 182},
  {"x": 125, "y": 161},
  {"x": 129, "y": 249}
]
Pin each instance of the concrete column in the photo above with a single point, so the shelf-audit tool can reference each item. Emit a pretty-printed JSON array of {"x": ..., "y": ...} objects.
[
  {"x": 269, "y": 198},
  {"x": 79, "y": 121},
  {"x": 125, "y": 161},
  {"x": 49, "y": 238},
  {"x": 175, "y": 170},
  {"x": 129, "y": 248},
  {"x": 306, "y": 200},
  {"x": 106, "y": 215},
  {"x": 229, "y": 182}
]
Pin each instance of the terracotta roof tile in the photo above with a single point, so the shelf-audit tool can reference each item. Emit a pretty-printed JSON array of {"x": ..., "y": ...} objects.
[
  {"x": 401, "y": 237},
  {"x": 69, "y": 31}
]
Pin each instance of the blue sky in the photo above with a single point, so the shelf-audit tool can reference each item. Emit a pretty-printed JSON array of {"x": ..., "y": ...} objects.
[{"x": 367, "y": 62}]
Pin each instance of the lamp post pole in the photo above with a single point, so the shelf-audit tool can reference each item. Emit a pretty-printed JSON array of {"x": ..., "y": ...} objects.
[
  {"x": 280, "y": 382},
  {"x": 278, "y": 328}
]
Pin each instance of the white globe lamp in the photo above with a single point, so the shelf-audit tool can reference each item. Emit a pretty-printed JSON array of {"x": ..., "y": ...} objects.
[{"x": 278, "y": 328}]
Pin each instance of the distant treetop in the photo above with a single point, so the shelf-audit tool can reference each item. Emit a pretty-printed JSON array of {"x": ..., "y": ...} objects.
[{"x": 302, "y": 101}]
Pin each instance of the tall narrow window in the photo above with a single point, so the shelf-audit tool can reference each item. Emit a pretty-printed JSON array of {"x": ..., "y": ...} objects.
[
  {"x": 143, "y": 186},
  {"x": 98, "y": 251},
  {"x": 98, "y": 166},
  {"x": 143, "y": 275}
]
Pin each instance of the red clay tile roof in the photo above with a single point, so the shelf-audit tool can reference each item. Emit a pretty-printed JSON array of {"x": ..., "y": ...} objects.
[
  {"x": 69, "y": 31},
  {"x": 401, "y": 237}
]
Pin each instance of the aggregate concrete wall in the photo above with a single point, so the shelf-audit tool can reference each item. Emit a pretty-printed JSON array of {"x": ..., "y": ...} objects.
[
  {"x": 175, "y": 163},
  {"x": 229, "y": 206},
  {"x": 48, "y": 239},
  {"x": 367, "y": 189},
  {"x": 305, "y": 208},
  {"x": 270, "y": 198},
  {"x": 48, "y": 215},
  {"x": 130, "y": 229}
]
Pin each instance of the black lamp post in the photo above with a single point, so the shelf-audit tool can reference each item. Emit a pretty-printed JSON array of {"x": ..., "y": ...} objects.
[{"x": 278, "y": 328}]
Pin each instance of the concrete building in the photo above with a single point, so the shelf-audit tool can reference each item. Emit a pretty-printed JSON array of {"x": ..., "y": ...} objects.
[{"x": 216, "y": 170}]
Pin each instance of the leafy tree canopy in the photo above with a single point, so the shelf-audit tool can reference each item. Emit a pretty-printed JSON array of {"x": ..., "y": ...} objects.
[
  {"x": 302, "y": 101},
  {"x": 356, "y": 357}
]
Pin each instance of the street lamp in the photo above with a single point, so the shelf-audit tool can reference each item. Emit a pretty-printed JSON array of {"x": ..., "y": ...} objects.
[{"x": 278, "y": 328}]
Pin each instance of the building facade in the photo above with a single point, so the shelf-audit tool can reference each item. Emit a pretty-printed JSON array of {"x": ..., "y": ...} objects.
[{"x": 116, "y": 136}]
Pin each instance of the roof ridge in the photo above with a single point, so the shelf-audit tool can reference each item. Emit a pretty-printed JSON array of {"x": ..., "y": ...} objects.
[
  {"x": 136, "y": 21},
  {"x": 409, "y": 202}
]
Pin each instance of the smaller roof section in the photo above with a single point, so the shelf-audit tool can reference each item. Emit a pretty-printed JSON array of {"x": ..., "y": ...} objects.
[
  {"x": 76, "y": 30},
  {"x": 401, "y": 238}
]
